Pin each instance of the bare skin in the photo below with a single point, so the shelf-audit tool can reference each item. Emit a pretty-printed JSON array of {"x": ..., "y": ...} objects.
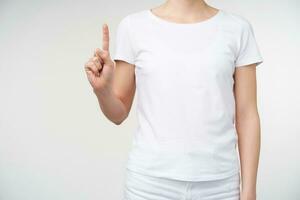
[
  {"x": 248, "y": 128},
  {"x": 113, "y": 83}
]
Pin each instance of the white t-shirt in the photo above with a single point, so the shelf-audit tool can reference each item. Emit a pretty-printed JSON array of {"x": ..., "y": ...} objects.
[{"x": 184, "y": 91}]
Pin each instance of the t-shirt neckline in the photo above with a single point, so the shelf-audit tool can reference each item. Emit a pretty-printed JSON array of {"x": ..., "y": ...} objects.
[{"x": 203, "y": 22}]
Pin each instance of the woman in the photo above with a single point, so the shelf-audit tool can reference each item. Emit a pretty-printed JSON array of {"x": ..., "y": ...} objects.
[{"x": 194, "y": 69}]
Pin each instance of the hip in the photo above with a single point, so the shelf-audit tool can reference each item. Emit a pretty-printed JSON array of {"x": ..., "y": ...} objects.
[{"x": 139, "y": 186}]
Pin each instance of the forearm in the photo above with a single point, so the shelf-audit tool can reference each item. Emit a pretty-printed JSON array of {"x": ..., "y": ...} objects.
[
  {"x": 248, "y": 129},
  {"x": 112, "y": 107}
]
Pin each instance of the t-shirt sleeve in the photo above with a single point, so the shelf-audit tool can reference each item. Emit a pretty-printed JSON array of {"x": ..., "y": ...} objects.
[
  {"x": 248, "y": 51},
  {"x": 123, "y": 46}
]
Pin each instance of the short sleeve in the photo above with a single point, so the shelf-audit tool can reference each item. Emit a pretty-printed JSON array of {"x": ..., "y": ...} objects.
[
  {"x": 123, "y": 46},
  {"x": 248, "y": 51}
]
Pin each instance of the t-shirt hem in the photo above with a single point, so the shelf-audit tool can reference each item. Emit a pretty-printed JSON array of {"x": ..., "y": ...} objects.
[
  {"x": 130, "y": 61},
  {"x": 249, "y": 62},
  {"x": 185, "y": 178}
]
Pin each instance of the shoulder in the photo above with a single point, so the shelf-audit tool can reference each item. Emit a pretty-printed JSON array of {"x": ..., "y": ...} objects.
[
  {"x": 238, "y": 22},
  {"x": 134, "y": 17}
]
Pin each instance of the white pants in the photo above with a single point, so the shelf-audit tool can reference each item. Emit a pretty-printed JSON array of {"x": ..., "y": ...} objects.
[{"x": 143, "y": 187}]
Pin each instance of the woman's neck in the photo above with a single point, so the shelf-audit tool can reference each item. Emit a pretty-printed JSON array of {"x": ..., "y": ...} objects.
[
  {"x": 185, "y": 10},
  {"x": 185, "y": 6}
]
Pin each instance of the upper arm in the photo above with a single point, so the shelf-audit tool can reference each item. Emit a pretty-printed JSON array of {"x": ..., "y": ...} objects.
[
  {"x": 245, "y": 89},
  {"x": 248, "y": 52},
  {"x": 124, "y": 57},
  {"x": 248, "y": 57},
  {"x": 124, "y": 83}
]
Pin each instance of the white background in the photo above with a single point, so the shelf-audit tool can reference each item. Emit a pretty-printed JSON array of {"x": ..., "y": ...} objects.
[{"x": 54, "y": 141}]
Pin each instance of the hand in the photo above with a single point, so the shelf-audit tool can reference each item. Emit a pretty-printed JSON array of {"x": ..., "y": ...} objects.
[{"x": 100, "y": 67}]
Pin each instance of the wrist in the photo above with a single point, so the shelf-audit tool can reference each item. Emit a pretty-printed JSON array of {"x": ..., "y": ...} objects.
[{"x": 105, "y": 91}]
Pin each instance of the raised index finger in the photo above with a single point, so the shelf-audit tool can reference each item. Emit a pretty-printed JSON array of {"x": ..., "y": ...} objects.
[{"x": 105, "y": 37}]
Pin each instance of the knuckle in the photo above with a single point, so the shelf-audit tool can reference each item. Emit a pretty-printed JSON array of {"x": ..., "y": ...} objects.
[
  {"x": 87, "y": 64},
  {"x": 91, "y": 64}
]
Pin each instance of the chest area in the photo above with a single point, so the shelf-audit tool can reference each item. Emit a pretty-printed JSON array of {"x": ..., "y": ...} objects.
[{"x": 195, "y": 57}]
